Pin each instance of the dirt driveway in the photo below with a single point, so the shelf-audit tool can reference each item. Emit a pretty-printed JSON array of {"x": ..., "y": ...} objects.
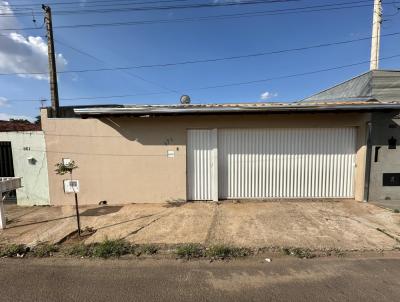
[{"x": 347, "y": 225}]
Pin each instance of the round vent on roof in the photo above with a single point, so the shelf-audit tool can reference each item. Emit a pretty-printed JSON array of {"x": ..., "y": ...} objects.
[{"x": 185, "y": 99}]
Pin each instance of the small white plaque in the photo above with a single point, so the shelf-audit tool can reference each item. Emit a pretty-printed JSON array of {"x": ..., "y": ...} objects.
[
  {"x": 66, "y": 161},
  {"x": 71, "y": 186},
  {"x": 171, "y": 153}
]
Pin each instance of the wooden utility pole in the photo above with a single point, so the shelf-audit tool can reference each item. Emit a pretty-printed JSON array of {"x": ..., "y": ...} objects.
[
  {"x": 52, "y": 61},
  {"x": 376, "y": 34}
]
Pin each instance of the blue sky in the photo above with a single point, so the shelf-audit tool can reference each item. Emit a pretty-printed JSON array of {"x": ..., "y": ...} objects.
[{"x": 175, "y": 42}]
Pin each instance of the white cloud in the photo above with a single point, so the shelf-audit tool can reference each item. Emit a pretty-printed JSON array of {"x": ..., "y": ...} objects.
[
  {"x": 4, "y": 102},
  {"x": 20, "y": 54},
  {"x": 267, "y": 95},
  {"x": 7, "y": 117}
]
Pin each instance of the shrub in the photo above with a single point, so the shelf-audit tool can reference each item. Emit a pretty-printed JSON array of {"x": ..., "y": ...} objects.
[
  {"x": 111, "y": 248},
  {"x": 299, "y": 252},
  {"x": 147, "y": 249},
  {"x": 79, "y": 249},
  {"x": 396, "y": 211},
  {"x": 13, "y": 250},
  {"x": 190, "y": 250},
  {"x": 224, "y": 251},
  {"x": 45, "y": 250}
]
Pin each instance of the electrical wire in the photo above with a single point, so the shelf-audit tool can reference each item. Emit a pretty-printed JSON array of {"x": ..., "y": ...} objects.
[
  {"x": 157, "y": 8},
  {"x": 239, "y": 83},
  {"x": 89, "y": 3},
  {"x": 188, "y": 62},
  {"x": 129, "y": 73},
  {"x": 308, "y": 9}
]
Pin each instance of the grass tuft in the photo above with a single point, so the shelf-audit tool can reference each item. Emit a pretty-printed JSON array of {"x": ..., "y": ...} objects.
[
  {"x": 45, "y": 250},
  {"x": 13, "y": 250},
  {"x": 189, "y": 251},
  {"x": 224, "y": 251},
  {"x": 111, "y": 248},
  {"x": 303, "y": 253},
  {"x": 146, "y": 249},
  {"x": 396, "y": 211},
  {"x": 79, "y": 249}
]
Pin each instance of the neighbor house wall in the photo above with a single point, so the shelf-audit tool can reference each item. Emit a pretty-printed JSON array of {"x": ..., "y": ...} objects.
[
  {"x": 124, "y": 159},
  {"x": 384, "y": 126},
  {"x": 35, "y": 186}
]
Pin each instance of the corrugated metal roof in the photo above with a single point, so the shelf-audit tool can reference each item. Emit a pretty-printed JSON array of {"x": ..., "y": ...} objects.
[
  {"x": 383, "y": 85},
  {"x": 140, "y": 110}
]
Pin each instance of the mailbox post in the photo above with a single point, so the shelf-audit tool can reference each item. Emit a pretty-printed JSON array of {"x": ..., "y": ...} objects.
[
  {"x": 67, "y": 166},
  {"x": 72, "y": 186}
]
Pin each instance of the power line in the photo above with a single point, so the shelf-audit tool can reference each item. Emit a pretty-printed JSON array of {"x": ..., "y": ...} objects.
[
  {"x": 188, "y": 62},
  {"x": 242, "y": 56},
  {"x": 88, "y": 3},
  {"x": 95, "y": 97},
  {"x": 235, "y": 83},
  {"x": 307, "y": 9},
  {"x": 129, "y": 73},
  {"x": 292, "y": 75},
  {"x": 95, "y": 4},
  {"x": 155, "y": 8}
]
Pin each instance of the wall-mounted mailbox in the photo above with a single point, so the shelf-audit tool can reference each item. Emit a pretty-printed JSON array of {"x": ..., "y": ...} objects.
[
  {"x": 32, "y": 160},
  {"x": 71, "y": 186},
  {"x": 391, "y": 179}
]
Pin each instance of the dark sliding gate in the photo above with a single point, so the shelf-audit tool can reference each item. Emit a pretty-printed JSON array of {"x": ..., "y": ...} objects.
[{"x": 6, "y": 162}]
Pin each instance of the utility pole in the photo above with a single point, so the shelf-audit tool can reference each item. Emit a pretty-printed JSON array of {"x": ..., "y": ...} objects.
[
  {"x": 52, "y": 61},
  {"x": 376, "y": 34}
]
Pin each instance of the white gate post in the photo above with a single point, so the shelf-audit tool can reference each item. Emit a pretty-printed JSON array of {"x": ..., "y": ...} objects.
[
  {"x": 214, "y": 164},
  {"x": 2, "y": 214}
]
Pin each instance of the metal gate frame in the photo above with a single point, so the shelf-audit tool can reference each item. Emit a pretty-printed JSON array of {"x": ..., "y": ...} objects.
[
  {"x": 301, "y": 163},
  {"x": 6, "y": 160},
  {"x": 7, "y": 164},
  {"x": 199, "y": 170},
  {"x": 210, "y": 151}
]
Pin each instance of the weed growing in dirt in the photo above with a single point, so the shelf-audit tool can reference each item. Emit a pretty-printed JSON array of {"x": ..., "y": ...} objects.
[
  {"x": 189, "y": 251},
  {"x": 13, "y": 250},
  {"x": 336, "y": 252},
  {"x": 111, "y": 248},
  {"x": 224, "y": 251},
  {"x": 80, "y": 250},
  {"x": 146, "y": 249},
  {"x": 396, "y": 211},
  {"x": 299, "y": 252},
  {"x": 45, "y": 250}
]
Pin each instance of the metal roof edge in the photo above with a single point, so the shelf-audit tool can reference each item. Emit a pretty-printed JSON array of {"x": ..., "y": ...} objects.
[{"x": 238, "y": 109}]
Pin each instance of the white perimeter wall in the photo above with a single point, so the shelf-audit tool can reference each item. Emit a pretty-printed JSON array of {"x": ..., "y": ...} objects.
[{"x": 35, "y": 184}]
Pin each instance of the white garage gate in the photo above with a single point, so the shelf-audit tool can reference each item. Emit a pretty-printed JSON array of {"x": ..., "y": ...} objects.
[{"x": 271, "y": 163}]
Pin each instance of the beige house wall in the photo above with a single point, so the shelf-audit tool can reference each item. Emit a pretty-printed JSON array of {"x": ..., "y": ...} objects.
[{"x": 124, "y": 159}]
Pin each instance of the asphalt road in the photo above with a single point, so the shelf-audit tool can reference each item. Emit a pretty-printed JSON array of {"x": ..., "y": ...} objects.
[{"x": 373, "y": 279}]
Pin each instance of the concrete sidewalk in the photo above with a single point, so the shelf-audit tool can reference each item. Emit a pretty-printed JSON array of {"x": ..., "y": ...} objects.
[
  {"x": 388, "y": 204},
  {"x": 347, "y": 225}
]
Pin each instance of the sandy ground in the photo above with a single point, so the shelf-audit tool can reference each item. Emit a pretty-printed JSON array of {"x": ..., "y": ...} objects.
[{"x": 347, "y": 225}]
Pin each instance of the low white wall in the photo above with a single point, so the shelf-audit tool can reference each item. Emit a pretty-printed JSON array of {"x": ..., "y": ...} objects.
[{"x": 35, "y": 184}]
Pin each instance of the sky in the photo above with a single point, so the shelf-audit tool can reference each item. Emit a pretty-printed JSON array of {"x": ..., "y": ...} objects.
[{"x": 250, "y": 78}]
